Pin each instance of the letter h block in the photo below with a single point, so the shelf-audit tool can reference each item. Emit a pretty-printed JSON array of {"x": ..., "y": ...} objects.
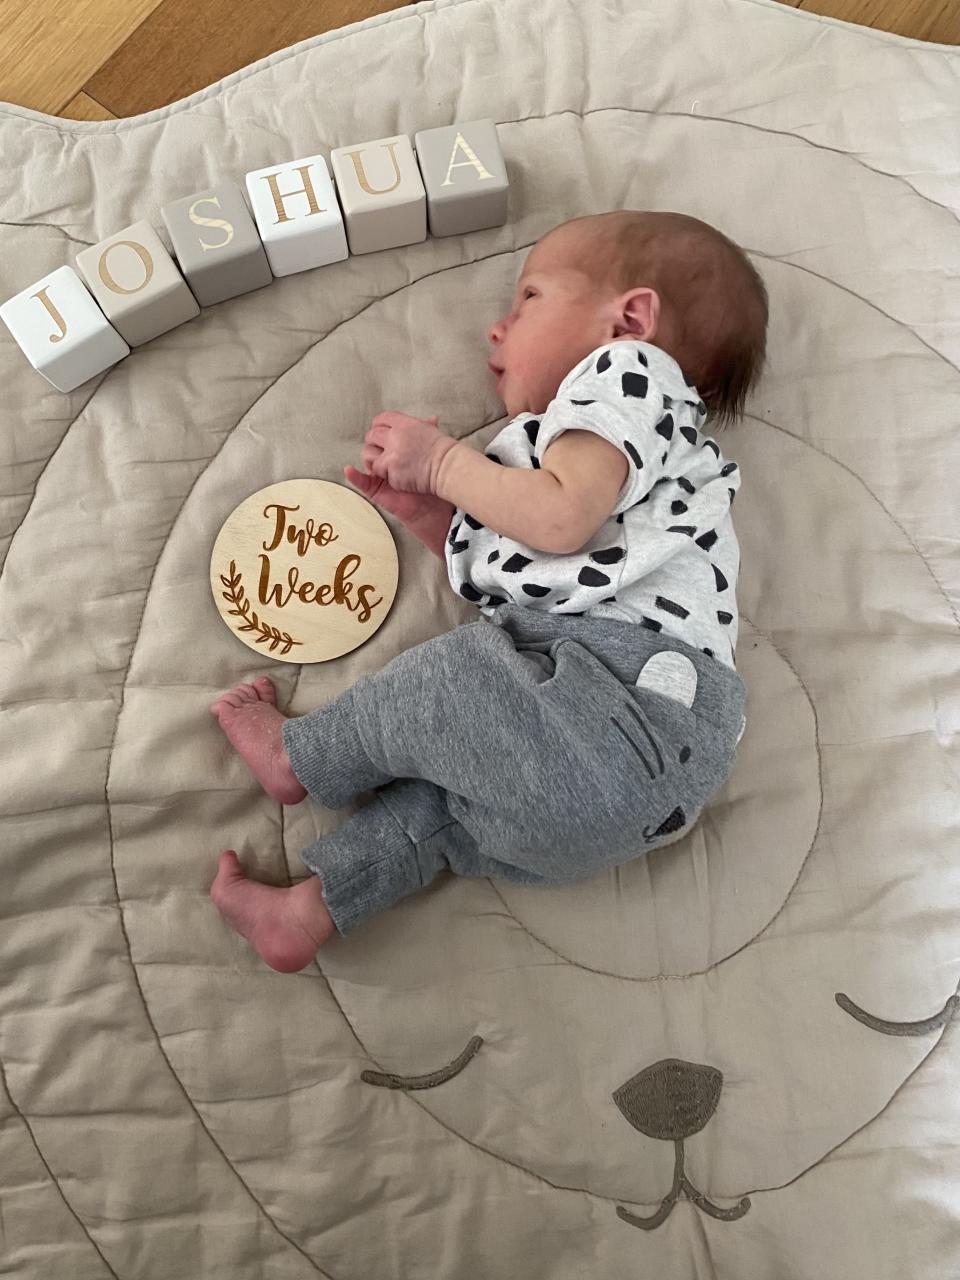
[{"x": 297, "y": 215}]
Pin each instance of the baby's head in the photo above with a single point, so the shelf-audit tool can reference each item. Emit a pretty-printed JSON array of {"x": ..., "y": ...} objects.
[{"x": 663, "y": 278}]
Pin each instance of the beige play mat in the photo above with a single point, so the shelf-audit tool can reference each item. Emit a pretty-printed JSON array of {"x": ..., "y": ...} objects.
[{"x": 732, "y": 1058}]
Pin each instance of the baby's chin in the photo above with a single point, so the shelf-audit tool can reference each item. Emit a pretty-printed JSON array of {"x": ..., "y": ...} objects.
[{"x": 515, "y": 405}]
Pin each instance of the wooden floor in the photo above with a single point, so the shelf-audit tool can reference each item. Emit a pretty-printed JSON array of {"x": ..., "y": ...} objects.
[{"x": 105, "y": 59}]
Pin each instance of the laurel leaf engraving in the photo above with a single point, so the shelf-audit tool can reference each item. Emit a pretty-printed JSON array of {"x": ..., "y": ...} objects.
[{"x": 236, "y": 595}]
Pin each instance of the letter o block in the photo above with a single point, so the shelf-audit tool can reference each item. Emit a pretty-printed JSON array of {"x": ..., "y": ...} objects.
[
  {"x": 216, "y": 244},
  {"x": 137, "y": 283},
  {"x": 297, "y": 215},
  {"x": 465, "y": 177},
  {"x": 62, "y": 331},
  {"x": 382, "y": 194}
]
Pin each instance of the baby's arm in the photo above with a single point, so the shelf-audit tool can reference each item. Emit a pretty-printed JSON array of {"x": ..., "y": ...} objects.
[
  {"x": 556, "y": 508},
  {"x": 425, "y": 515},
  {"x": 432, "y": 525}
]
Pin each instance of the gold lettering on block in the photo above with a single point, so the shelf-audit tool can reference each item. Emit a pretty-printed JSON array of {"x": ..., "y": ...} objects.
[
  {"x": 145, "y": 258},
  {"x": 210, "y": 222},
  {"x": 361, "y": 174},
  {"x": 473, "y": 161},
  {"x": 54, "y": 311},
  {"x": 306, "y": 189}
]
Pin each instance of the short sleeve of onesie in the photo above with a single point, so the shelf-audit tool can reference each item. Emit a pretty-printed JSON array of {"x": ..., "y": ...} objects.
[{"x": 615, "y": 393}]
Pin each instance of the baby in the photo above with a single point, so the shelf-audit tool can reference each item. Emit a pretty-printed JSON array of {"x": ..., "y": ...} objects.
[{"x": 602, "y": 708}]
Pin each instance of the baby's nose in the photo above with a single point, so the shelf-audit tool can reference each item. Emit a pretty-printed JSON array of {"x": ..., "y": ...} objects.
[{"x": 495, "y": 333}]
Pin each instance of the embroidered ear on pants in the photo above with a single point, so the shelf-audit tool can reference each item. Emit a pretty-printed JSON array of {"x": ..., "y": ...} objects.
[{"x": 672, "y": 674}]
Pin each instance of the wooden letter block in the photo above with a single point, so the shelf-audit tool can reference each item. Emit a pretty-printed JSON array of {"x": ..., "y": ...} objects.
[
  {"x": 62, "y": 331},
  {"x": 465, "y": 177},
  {"x": 297, "y": 215},
  {"x": 382, "y": 194},
  {"x": 216, "y": 244},
  {"x": 137, "y": 283}
]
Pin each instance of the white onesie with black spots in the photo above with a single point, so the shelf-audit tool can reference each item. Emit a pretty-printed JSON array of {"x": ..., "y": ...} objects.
[{"x": 667, "y": 558}]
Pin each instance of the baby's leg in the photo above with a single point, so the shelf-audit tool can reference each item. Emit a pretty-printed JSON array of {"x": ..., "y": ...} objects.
[
  {"x": 286, "y": 926},
  {"x": 249, "y": 717},
  {"x": 502, "y": 771}
]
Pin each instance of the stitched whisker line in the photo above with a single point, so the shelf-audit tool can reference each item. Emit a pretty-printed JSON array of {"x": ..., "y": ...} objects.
[
  {"x": 646, "y": 762},
  {"x": 639, "y": 719}
]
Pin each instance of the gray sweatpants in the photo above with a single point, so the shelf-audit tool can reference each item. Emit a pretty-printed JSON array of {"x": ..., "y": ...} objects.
[{"x": 522, "y": 748}]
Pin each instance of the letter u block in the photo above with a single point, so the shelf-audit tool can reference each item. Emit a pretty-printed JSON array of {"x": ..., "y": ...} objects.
[
  {"x": 297, "y": 215},
  {"x": 382, "y": 194},
  {"x": 465, "y": 177},
  {"x": 137, "y": 283},
  {"x": 216, "y": 244},
  {"x": 62, "y": 331}
]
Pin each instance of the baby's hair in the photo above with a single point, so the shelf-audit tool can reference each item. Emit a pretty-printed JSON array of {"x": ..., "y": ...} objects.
[{"x": 713, "y": 303}]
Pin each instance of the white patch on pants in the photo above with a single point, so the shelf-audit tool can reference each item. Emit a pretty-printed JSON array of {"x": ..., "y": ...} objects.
[
  {"x": 675, "y": 676},
  {"x": 672, "y": 674}
]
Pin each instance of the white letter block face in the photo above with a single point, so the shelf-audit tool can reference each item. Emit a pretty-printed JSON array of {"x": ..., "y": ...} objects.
[
  {"x": 62, "y": 331},
  {"x": 298, "y": 217},
  {"x": 465, "y": 177},
  {"x": 137, "y": 283},
  {"x": 382, "y": 194}
]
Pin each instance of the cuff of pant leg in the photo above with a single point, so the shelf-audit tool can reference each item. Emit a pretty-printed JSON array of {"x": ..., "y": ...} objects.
[
  {"x": 364, "y": 866},
  {"x": 327, "y": 754}
]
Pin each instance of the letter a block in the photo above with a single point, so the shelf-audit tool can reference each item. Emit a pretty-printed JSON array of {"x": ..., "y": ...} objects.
[
  {"x": 465, "y": 177},
  {"x": 62, "y": 331},
  {"x": 382, "y": 194},
  {"x": 216, "y": 244},
  {"x": 297, "y": 215},
  {"x": 137, "y": 283}
]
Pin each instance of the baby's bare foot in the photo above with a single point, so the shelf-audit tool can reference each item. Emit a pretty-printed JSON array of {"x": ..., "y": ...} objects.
[
  {"x": 286, "y": 926},
  {"x": 249, "y": 717}
]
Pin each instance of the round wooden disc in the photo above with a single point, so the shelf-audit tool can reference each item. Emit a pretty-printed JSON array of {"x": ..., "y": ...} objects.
[{"x": 304, "y": 570}]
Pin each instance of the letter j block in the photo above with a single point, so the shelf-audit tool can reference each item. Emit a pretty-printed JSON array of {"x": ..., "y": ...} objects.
[{"x": 62, "y": 331}]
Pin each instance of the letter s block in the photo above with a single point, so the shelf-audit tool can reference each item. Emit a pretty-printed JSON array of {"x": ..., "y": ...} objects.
[
  {"x": 382, "y": 194},
  {"x": 216, "y": 244},
  {"x": 62, "y": 331},
  {"x": 137, "y": 283},
  {"x": 297, "y": 215},
  {"x": 465, "y": 177}
]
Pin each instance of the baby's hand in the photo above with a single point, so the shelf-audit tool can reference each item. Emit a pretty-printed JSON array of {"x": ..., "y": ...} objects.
[
  {"x": 411, "y": 509},
  {"x": 405, "y": 451}
]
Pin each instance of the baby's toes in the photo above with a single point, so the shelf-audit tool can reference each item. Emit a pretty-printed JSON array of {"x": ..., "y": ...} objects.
[
  {"x": 226, "y": 701},
  {"x": 265, "y": 689}
]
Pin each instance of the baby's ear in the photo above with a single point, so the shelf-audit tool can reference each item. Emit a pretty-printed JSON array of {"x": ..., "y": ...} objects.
[{"x": 640, "y": 313}]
